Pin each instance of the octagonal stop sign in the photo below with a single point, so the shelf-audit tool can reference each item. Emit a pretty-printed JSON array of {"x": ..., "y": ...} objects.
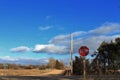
[{"x": 83, "y": 51}]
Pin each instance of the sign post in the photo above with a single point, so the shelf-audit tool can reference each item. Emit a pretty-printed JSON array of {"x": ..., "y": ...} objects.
[{"x": 83, "y": 51}]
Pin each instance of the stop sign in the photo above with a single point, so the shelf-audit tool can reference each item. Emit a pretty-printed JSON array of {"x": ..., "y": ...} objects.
[{"x": 83, "y": 51}]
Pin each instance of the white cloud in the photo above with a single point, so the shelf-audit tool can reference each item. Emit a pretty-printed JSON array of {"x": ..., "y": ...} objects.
[
  {"x": 20, "y": 49},
  {"x": 59, "y": 38},
  {"x": 107, "y": 28},
  {"x": 64, "y": 38},
  {"x": 45, "y": 28},
  {"x": 50, "y": 48},
  {"x": 78, "y": 33},
  {"x": 8, "y": 59}
]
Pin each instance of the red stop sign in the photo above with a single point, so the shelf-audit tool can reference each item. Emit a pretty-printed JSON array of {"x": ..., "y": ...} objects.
[{"x": 83, "y": 51}]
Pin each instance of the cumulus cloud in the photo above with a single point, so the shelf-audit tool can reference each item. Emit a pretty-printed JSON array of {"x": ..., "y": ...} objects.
[
  {"x": 107, "y": 28},
  {"x": 45, "y": 28},
  {"x": 20, "y": 49},
  {"x": 50, "y": 48}
]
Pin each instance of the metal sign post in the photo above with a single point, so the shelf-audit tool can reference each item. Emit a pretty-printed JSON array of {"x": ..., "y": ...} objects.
[
  {"x": 83, "y": 51},
  {"x": 84, "y": 71}
]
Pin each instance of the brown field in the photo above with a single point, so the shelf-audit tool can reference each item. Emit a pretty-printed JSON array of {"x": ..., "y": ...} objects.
[
  {"x": 31, "y": 72},
  {"x": 36, "y": 74}
]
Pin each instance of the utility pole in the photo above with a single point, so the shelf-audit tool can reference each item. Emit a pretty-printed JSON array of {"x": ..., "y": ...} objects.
[{"x": 71, "y": 51}]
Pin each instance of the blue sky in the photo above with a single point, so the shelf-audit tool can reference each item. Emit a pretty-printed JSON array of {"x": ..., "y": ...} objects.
[{"x": 35, "y": 30}]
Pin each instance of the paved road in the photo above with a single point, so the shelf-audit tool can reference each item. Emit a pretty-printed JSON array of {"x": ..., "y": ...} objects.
[
  {"x": 40, "y": 78},
  {"x": 92, "y": 77}
]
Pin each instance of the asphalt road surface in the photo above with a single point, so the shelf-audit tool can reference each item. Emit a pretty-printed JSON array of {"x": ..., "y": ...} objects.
[{"x": 92, "y": 77}]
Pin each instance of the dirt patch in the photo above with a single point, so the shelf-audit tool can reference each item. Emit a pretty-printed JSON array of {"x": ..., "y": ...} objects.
[{"x": 53, "y": 72}]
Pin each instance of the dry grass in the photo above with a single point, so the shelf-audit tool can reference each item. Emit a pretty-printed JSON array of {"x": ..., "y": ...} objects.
[{"x": 23, "y": 72}]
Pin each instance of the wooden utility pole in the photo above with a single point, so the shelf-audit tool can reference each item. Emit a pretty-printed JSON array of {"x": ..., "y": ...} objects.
[{"x": 71, "y": 51}]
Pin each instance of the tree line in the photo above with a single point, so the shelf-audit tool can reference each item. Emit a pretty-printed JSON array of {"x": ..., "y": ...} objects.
[{"x": 52, "y": 64}]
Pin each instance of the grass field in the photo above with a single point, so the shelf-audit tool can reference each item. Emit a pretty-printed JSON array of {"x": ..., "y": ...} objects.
[
  {"x": 31, "y": 72},
  {"x": 36, "y": 74}
]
